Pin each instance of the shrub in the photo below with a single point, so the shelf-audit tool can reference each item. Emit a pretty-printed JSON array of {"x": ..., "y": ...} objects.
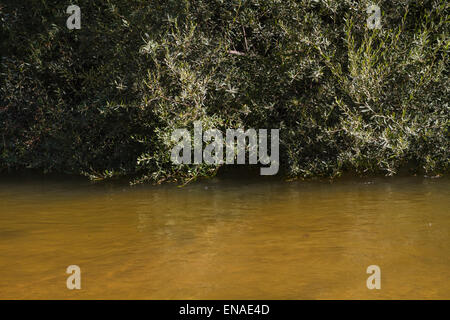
[{"x": 103, "y": 100}]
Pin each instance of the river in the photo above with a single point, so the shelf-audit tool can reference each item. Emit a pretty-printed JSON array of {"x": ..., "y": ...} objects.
[{"x": 225, "y": 238}]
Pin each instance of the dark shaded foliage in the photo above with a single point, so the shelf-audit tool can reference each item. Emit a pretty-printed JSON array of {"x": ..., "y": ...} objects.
[{"x": 104, "y": 100}]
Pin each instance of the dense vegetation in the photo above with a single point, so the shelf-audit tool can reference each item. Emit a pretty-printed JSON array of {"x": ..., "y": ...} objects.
[{"x": 103, "y": 100}]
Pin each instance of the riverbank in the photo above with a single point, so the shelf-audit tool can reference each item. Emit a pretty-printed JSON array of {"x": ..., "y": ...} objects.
[{"x": 105, "y": 99}]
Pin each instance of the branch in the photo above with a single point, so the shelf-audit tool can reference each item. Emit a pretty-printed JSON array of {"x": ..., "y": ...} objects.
[{"x": 238, "y": 53}]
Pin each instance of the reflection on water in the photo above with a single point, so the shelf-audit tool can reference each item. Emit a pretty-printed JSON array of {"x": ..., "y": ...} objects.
[{"x": 224, "y": 239}]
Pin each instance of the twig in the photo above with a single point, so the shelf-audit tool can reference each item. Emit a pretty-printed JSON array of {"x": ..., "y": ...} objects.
[{"x": 238, "y": 53}]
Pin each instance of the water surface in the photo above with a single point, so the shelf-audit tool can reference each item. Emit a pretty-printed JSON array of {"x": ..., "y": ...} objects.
[{"x": 225, "y": 239}]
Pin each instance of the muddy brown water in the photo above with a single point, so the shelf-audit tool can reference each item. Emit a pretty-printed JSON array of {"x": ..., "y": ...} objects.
[{"x": 225, "y": 239}]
